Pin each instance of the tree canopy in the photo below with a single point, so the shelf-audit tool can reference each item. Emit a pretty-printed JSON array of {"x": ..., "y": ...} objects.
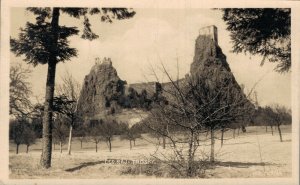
[
  {"x": 265, "y": 32},
  {"x": 36, "y": 40}
]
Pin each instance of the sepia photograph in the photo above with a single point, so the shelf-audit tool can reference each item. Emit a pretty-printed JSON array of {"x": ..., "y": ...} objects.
[{"x": 131, "y": 92}]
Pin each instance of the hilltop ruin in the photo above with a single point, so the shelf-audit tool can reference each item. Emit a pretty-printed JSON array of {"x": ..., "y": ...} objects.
[{"x": 103, "y": 92}]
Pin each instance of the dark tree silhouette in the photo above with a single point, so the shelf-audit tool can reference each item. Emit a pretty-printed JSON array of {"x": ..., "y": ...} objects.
[
  {"x": 46, "y": 42},
  {"x": 37, "y": 121},
  {"x": 29, "y": 137},
  {"x": 21, "y": 132},
  {"x": 16, "y": 131},
  {"x": 133, "y": 97},
  {"x": 261, "y": 31}
]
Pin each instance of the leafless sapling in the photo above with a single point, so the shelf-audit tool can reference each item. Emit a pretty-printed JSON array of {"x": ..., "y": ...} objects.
[
  {"x": 94, "y": 132},
  {"x": 60, "y": 132},
  {"x": 130, "y": 133},
  {"x": 70, "y": 89}
]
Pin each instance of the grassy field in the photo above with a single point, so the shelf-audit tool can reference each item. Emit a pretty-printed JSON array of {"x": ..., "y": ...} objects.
[{"x": 251, "y": 154}]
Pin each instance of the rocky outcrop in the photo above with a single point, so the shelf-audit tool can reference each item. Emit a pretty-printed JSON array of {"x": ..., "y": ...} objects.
[
  {"x": 208, "y": 53},
  {"x": 101, "y": 91},
  {"x": 209, "y": 61},
  {"x": 210, "y": 65}
]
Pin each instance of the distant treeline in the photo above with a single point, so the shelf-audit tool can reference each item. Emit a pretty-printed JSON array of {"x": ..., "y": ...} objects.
[{"x": 134, "y": 99}]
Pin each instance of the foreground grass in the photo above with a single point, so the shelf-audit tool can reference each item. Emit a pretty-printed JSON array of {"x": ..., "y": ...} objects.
[{"x": 251, "y": 154}]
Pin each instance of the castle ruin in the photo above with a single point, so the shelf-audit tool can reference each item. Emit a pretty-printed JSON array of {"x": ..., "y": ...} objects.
[{"x": 210, "y": 31}]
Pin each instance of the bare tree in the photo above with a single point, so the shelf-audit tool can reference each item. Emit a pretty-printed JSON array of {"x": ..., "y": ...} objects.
[
  {"x": 108, "y": 129},
  {"x": 130, "y": 133},
  {"x": 223, "y": 130},
  {"x": 60, "y": 131},
  {"x": 195, "y": 105},
  {"x": 81, "y": 134},
  {"x": 161, "y": 125},
  {"x": 29, "y": 137},
  {"x": 278, "y": 115},
  {"x": 20, "y": 106},
  {"x": 70, "y": 89},
  {"x": 19, "y": 91},
  {"x": 95, "y": 132}
]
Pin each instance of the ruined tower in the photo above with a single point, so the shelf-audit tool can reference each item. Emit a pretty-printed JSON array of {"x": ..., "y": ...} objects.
[
  {"x": 210, "y": 31},
  {"x": 207, "y": 51}
]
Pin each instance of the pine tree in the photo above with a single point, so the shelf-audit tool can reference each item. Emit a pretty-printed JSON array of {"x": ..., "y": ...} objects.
[
  {"x": 261, "y": 31},
  {"x": 46, "y": 42}
]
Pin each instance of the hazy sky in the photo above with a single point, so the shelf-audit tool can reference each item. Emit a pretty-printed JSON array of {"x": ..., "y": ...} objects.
[{"x": 151, "y": 37}]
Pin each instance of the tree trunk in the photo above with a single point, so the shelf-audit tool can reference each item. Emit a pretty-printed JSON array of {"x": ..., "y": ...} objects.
[
  {"x": 109, "y": 144},
  {"x": 198, "y": 140},
  {"x": 222, "y": 137},
  {"x": 70, "y": 139},
  {"x": 130, "y": 144},
  {"x": 164, "y": 142},
  {"x": 212, "y": 149},
  {"x": 48, "y": 106},
  {"x": 27, "y": 148},
  {"x": 80, "y": 144},
  {"x": 17, "y": 149},
  {"x": 279, "y": 130},
  {"x": 272, "y": 129},
  {"x": 206, "y": 134},
  {"x": 96, "y": 147},
  {"x": 234, "y": 133},
  {"x": 244, "y": 129},
  {"x": 134, "y": 142},
  {"x": 190, "y": 156},
  {"x": 60, "y": 147},
  {"x": 239, "y": 131}
]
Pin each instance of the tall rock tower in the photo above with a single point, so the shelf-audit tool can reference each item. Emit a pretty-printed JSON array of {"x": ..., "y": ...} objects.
[
  {"x": 208, "y": 52},
  {"x": 210, "y": 31},
  {"x": 209, "y": 64},
  {"x": 101, "y": 90}
]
